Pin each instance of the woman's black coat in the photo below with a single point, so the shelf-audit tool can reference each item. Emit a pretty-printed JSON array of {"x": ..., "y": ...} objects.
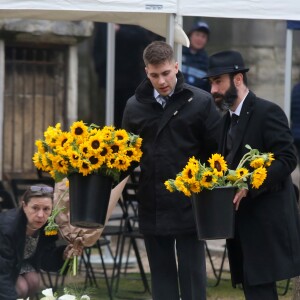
[{"x": 12, "y": 242}]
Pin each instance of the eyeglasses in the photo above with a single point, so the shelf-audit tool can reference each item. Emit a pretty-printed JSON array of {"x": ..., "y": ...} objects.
[{"x": 43, "y": 189}]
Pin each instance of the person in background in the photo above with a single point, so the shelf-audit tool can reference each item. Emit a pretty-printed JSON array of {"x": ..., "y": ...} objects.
[
  {"x": 266, "y": 245},
  {"x": 129, "y": 70},
  {"x": 195, "y": 58},
  {"x": 176, "y": 121},
  {"x": 295, "y": 116},
  {"x": 25, "y": 248}
]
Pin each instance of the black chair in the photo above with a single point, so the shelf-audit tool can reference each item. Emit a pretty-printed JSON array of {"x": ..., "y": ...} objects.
[
  {"x": 131, "y": 233},
  {"x": 217, "y": 271},
  {"x": 90, "y": 271}
]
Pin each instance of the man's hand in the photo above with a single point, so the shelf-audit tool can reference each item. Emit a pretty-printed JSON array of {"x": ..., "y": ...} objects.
[{"x": 240, "y": 194}]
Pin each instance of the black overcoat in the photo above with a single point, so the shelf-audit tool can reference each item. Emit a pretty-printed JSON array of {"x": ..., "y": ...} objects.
[
  {"x": 12, "y": 242},
  {"x": 267, "y": 221},
  {"x": 187, "y": 127}
]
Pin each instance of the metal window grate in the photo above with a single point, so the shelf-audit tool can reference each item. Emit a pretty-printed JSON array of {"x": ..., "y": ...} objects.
[{"x": 35, "y": 97}]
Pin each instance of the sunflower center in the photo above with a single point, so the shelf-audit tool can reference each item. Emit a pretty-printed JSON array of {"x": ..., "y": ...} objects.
[
  {"x": 103, "y": 152},
  {"x": 189, "y": 174},
  {"x": 218, "y": 166},
  {"x": 85, "y": 165},
  {"x": 115, "y": 148},
  {"x": 78, "y": 131},
  {"x": 85, "y": 150},
  {"x": 129, "y": 153},
  {"x": 94, "y": 160},
  {"x": 95, "y": 144},
  {"x": 208, "y": 178},
  {"x": 63, "y": 142}
]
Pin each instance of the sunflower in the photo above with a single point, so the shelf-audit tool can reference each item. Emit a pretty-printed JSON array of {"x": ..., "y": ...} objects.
[
  {"x": 121, "y": 163},
  {"x": 121, "y": 137},
  {"x": 195, "y": 187},
  {"x": 269, "y": 159},
  {"x": 51, "y": 135},
  {"x": 40, "y": 146},
  {"x": 79, "y": 130},
  {"x": 218, "y": 164},
  {"x": 189, "y": 174},
  {"x": 60, "y": 164},
  {"x": 208, "y": 179},
  {"x": 94, "y": 143},
  {"x": 181, "y": 186},
  {"x": 84, "y": 167},
  {"x": 73, "y": 158},
  {"x": 63, "y": 142},
  {"x": 256, "y": 163},
  {"x": 170, "y": 186},
  {"x": 96, "y": 161},
  {"x": 258, "y": 177},
  {"x": 107, "y": 133},
  {"x": 37, "y": 160},
  {"x": 241, "y": 172}
]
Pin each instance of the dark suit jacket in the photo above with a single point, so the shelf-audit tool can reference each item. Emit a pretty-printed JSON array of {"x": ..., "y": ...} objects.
[
  {"x": 266, "y": 246},
  {"x": 12, "y": 242}
]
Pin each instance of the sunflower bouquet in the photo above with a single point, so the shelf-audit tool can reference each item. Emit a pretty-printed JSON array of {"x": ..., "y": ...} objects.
[
  {"x": 196, "y": 176},
  {"x": 86, "y": 149}
]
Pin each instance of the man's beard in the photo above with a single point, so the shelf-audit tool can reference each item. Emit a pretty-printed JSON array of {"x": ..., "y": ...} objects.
[{"x": 226, "y": 101}]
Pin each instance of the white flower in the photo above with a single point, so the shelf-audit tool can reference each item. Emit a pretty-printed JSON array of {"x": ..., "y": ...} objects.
[
  {"x": 49, "y": 294},
  {"x": 85, "y": 297},
  {"x": 67, "y": 297}
]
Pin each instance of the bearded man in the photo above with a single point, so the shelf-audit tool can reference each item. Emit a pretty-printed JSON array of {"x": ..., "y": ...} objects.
[{"x": 266, "y": 245}]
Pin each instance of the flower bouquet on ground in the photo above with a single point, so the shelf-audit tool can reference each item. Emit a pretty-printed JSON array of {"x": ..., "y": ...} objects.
[
  {"x": 212, "y": 188},
  {"x": 92, "y": 159}
]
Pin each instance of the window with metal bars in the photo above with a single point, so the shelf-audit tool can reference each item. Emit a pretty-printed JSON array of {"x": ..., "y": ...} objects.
[{"x": 34, "y": 98}]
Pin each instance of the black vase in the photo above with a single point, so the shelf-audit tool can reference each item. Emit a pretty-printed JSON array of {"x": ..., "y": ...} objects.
[
  {"x": 214, "y": 213},
  {"x": 89, "y": 198}
]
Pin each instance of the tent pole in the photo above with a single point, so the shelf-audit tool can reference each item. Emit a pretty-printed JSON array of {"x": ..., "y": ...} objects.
[
  {"x": 170, "y": 29},
  {"x": 110, "y": 75},
  {"x": 178, "y": 47},
  {"x": 288, "y": 72}
]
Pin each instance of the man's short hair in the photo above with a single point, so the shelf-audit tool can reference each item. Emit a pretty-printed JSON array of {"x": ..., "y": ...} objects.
[{"x": 157, "y": 53}]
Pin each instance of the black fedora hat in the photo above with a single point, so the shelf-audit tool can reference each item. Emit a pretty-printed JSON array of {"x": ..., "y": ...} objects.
[{"x": 225, "y": 62}]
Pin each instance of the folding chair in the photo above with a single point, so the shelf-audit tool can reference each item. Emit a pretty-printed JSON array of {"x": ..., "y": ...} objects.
[
  {"x": 132, "y": 234},
  {"x": 216, "y": 271}
]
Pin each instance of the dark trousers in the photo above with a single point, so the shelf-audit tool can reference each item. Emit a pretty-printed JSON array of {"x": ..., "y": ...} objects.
[
  {"x": 191, "y": 270},
  {"x": 266, "y": 291}
]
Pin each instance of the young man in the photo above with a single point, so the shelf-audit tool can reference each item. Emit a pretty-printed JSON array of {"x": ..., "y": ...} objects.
[
  {"x": 266, "y": 246},
  {"x": 195, "y": 58},
  {"x": 184, "y": 125}
]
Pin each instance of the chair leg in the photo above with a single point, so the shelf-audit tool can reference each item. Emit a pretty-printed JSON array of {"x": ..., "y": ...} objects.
[
  {"x": 139, "y": 261},
  {"x": 217, "y": 272},
  {"x": 109, "y": 288}
]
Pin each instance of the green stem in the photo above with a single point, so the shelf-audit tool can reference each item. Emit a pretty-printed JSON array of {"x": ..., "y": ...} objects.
[
  {"x": 75, "y": 265},
  {"x": 66, "y": 263},
  {"x": 61, "y": 197}
]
